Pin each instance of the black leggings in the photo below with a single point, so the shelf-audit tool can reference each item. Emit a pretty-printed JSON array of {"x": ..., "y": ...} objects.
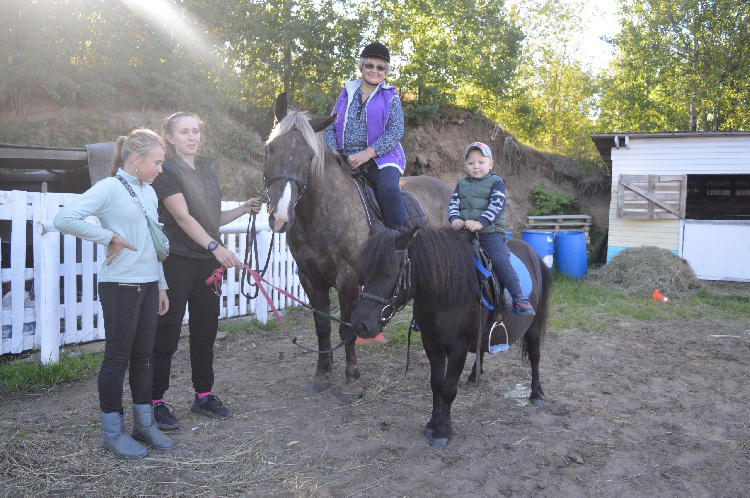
[
  {"x": 130, "y": 312},
  {"x": 186, "y": 278}
]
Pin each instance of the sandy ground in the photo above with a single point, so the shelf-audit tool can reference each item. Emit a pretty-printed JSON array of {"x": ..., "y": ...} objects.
[{"x": 648, "y": 409}]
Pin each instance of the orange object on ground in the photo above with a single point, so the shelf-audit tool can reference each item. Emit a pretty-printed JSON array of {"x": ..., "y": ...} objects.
[
  {"x": 657, "y": 296},
  {"x": 377, "y": 338}
]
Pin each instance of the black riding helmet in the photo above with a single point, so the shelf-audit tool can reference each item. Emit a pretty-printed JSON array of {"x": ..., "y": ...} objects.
[{"x": 376, "y": 49}]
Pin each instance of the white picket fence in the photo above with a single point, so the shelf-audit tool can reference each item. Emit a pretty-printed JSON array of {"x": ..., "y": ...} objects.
[{"x": 65, "y": 309}]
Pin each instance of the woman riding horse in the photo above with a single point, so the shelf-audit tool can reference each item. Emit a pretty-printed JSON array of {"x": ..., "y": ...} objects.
[{"x": 368, "y": 128}]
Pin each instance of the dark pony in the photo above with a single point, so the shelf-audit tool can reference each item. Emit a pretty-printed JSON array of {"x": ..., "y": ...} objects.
[
  {"x": 313, "y": 198},
  {"x": 436, "y": 269}
]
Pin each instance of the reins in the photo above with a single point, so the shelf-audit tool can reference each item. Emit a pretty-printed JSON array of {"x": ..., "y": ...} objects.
[
  {"x": 251, "y": 243},
  {"x": 217, "y": 276},
  {"x": 403, "y": 281}
]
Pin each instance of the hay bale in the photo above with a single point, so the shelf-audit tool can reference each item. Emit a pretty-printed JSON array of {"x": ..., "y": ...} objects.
[{"x": 640, "y": 270}]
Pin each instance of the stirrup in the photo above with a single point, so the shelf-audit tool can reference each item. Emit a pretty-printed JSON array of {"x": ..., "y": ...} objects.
[{"x": 498, "y": 348}]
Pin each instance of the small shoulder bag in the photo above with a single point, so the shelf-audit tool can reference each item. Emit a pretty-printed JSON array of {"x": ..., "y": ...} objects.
[{"x": 161, "y": 242}]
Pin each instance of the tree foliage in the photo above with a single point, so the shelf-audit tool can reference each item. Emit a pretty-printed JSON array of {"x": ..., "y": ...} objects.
[
  {"x": 87, "y": 52},
  {"x": 553, "y": 97},
  {"x": 461, "y": 52},
  {"x": 305, "y": 48},
  {"x": 682, "y": 66}
]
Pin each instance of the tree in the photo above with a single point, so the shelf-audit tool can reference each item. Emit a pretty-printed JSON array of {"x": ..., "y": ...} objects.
[
  {"x": 460, "y": 52},
  {"x": 93, "y": 52},
  {"x": 683, "y": 66},
  {"x": 553, "y": 98},
  {"x": 304, "y": 48}
]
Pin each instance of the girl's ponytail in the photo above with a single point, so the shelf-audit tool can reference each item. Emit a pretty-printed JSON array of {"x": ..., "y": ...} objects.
[{"x": 139, "y": 141}]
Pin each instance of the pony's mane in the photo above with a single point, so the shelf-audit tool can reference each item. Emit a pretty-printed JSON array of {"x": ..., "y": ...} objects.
[
  {"x": 442, "y": 262},
  {"x": 317, "y": 142}
]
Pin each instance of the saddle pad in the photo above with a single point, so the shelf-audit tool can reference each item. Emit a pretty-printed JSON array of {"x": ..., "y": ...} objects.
[
  {"x": 414, "y": 211},
  {"x": 524, "y": 278}
]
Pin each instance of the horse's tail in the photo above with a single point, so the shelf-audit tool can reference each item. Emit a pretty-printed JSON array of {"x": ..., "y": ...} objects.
[{"x": 544, "y": 274}]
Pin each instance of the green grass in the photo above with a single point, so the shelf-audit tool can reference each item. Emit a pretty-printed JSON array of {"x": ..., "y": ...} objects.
[
  {"x": 18, "y": 375},
  {"x": 583, "y": 306},
  {"x": 248, "y": 326}
]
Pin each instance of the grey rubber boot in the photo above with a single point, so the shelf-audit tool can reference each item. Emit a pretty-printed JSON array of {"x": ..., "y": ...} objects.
[
  {"x": 117, "y": 440},
  {"x": 144, "y": 428}
]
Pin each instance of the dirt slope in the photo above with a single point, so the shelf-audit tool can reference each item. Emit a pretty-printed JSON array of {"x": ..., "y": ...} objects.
[{"x": 432, "y": 148}]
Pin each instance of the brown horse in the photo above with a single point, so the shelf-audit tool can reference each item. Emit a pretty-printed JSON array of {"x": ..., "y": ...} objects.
[
  {"x": 313, "y": 198},
  {"x": 436, "y": 269}
]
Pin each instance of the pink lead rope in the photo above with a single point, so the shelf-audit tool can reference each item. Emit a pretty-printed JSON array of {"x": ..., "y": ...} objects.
[{"x": 218, "y": 275}]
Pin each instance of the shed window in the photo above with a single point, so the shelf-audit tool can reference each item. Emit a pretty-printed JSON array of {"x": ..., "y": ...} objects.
[{"x": 718, "y": 197}]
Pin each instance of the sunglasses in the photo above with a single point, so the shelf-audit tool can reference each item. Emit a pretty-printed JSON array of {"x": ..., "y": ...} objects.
[{"x": 370, "y": 65}]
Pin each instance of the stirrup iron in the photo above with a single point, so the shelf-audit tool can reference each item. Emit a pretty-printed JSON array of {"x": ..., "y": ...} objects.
[{"x": 498, "y": 348}]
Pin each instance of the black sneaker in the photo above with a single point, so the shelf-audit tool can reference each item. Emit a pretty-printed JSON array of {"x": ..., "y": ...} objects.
[
  {"x": 163, "y": 417},
  {"x": 523, "y": 307},
  {"x": 211, "y": 407}
]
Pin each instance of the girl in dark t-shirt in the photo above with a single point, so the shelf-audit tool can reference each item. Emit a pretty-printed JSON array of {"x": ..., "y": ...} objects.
[{"x": 190, "y": 208}]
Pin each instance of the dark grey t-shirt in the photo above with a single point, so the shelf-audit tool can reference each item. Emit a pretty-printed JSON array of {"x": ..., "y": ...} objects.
[{"x": 200, "y": 187}]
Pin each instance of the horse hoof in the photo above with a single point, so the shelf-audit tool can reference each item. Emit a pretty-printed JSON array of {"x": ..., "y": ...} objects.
[
  {"x": 350, "y": 397},
  {"x": 316, "y": 388},
  {"x": 440, "y": 442},
  {"x": 536, "y": 403}
]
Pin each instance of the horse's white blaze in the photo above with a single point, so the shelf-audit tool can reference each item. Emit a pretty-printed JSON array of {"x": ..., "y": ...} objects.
[{"x": 281, "y": 215}]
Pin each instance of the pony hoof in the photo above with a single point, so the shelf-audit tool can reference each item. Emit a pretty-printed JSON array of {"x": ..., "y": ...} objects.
[
  {"x": 440, "y": 442},
  {"x": 350, "y": 397},
  {"x": 316, "y": 388},
  {"x": 536, "y": 403}
]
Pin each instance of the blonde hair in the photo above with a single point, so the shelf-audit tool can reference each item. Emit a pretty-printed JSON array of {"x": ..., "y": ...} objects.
[
  {"x": 140, "y": 141},
  {"x": 167, "y": 129},
  {"x": 316, "y": 141},
  {"x": 363, "y": 61}
]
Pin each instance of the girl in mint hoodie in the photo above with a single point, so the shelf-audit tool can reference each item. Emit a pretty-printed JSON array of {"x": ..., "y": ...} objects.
[{"x": 131, "y": 286}]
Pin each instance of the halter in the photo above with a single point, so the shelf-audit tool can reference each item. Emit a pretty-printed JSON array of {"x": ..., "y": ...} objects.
[
  {"x": 403, "y": 281},
  {"x": 288, "y": 177}
]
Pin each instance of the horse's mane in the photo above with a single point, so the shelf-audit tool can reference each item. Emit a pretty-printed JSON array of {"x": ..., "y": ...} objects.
[
  {"x": 442, "y": 262},
  {"x": 317, "y": 142}
]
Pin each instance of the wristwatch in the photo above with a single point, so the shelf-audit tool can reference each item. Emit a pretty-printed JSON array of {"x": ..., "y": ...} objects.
[{"x": 212, "y": 245}]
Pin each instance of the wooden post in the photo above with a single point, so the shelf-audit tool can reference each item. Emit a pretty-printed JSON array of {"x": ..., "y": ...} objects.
[{"x": 48, "y": 329}]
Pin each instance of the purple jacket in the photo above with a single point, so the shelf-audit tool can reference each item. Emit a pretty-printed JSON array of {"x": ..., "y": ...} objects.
[{"x": 378, "y": 108}]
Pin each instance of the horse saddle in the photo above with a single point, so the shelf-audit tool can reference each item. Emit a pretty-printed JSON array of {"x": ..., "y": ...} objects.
[
  {"x": 414, "y": 211},
  {"x": 490, "y": 289}
]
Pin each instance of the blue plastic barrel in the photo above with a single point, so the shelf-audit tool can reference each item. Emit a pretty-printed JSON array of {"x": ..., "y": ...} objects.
[
  {"x": 508, "y": 235},
  {"x": 570, "y": 254},
  {"x": 542, "y": 242}
]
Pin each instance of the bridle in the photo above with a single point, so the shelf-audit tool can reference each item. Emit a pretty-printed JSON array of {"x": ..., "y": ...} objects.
[
  {"x": 402, "y": 281},
  {"x": 287, "y": 177}
]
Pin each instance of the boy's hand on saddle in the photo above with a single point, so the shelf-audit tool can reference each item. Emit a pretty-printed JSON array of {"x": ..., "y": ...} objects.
[
  {"x": 457, "y": 224},
  {"x": 472, "y": 225}
]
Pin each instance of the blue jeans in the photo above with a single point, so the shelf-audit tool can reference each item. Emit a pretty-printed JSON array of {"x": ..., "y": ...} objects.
[
  {"x": 496, "y": 248},
  {"x": 388, "y": 193},
  {"x": 129, "y": 312}
]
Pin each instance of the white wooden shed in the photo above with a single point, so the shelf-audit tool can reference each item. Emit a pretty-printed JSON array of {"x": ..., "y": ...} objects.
[{"x": 686, "y": 192}]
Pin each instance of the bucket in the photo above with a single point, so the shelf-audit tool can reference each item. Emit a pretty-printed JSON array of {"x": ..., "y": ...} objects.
[
  {"x": 542, "y": 242},
  {"x": 570, "y": 254}
]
